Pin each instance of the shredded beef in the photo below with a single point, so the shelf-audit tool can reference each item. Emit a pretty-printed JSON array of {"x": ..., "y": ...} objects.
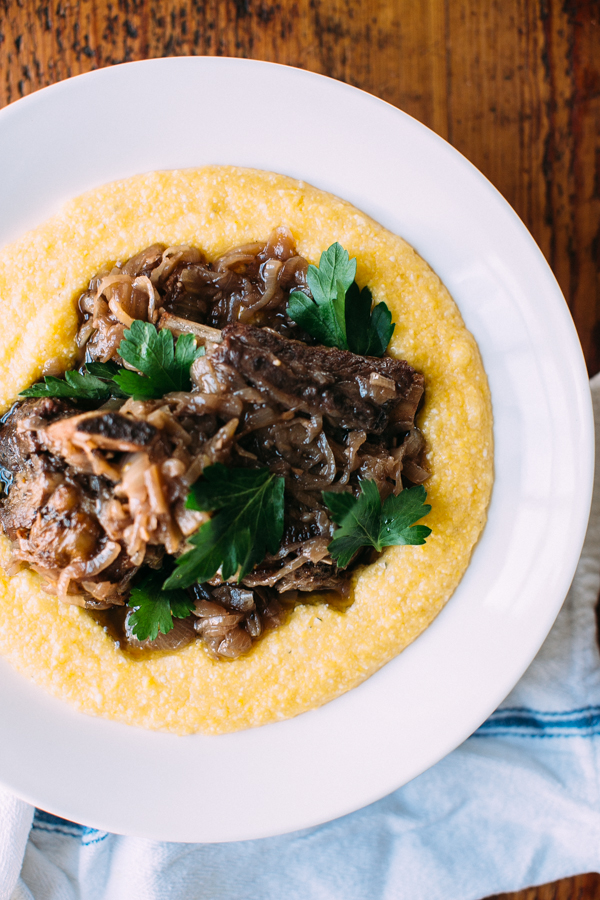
[
  {"x": 113, "y": 431},
  {"x": 321, "y": 380},
  {"x": 92, "y": 496},
  {"x": 18, "y": 444}
]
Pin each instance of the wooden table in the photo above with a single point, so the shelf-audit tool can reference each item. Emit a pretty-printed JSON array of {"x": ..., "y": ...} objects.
[{"x": 513, "y": 84}]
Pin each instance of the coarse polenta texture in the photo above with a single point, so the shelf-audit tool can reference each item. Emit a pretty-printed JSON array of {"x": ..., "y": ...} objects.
[{"x": 319, "y": 653}]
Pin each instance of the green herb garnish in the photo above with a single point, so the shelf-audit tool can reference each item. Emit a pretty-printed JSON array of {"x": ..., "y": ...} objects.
[
  {"x": 103, "y": 370},
  {"x": 339, "y": 315},
  {"x": 365, "y": 522},
  {"x": 325, "y": 315},
  {"x": 165, "y": 367},
  {"x": 154, "y": 608},
  {"x": 76, "y": 386},
  {"x": 164, "y": 364},
  {"x": 247, "y": 526},
  {"x": 368, "y": 333}
]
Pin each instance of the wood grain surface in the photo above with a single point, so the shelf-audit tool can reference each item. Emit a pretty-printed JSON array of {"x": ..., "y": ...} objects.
[{"x": 513, "y": 84}]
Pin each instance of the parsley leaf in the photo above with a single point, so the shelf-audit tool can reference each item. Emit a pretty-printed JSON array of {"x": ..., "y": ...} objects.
[
  {"x": 399, "y": 515},
  {"x": 325, "y": 315},
  {"x": 103, "y": 370},
  {"x": 154, "y": 608},
  {"x": 76, "y": 386},
  {"x": 339, "y": 315},
  {"x": 165, "y": 367},
  {"x": 368, "y": 333},
  {"x": 248, "y": 524},
  {"x": 365, "y": 522}
]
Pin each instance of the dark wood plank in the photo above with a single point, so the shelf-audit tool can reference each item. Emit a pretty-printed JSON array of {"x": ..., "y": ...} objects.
[
  {"x": 513, "y": 84},
  {"x": 582, "y": 887},
  {"x": 525, "y": 108}
]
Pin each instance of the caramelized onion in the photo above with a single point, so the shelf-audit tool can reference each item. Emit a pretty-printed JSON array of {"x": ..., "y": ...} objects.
[
  {"x": 354, "y": 441},
  {"x": 321, "y": 418},
  {"x": 170, "y": 259},
  {"x": 234, "y": 644},
  {"x": 217, "y": 626},
  {"x": 119, "y": 313},
  {"x": 269, "y": 271},
  {"x": 145, "y": 299},
  {"x": 87, "y": 568},
  {"x": 203, "y": 333},
  {"x": 238, "y": 256},
  {"x": 144, "y": 261},
  {"x": 327, "y": 473},
  {"x": 381, "y": 388}
]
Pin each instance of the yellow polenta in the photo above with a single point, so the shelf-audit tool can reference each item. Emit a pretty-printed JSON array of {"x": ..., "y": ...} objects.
[{"x": 319, "y": 653}]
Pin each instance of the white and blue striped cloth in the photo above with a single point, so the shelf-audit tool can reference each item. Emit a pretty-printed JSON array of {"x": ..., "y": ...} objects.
[{"x": 517, "y": 804}]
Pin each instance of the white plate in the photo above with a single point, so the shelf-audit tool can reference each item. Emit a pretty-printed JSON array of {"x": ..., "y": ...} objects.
[{"x": 174, "y": 113}]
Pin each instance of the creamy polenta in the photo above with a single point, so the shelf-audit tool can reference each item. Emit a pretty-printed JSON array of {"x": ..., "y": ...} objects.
[{"x": 320, "y": 652}]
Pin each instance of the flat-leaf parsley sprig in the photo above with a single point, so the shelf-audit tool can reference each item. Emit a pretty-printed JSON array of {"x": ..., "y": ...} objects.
[
  {"x": 163, "y": 363},
  {"x": 155, "y": 608},
  {"x": 365, "y": 522},
  {"x": 87, "y": 385},
  {"x": 325, "y": 315},
  {"x": 165, "y": 366},
  {"x": 368, "y": 333},
  {"x": 248, "y": 524},
  {"x": 339, "y": 314}
]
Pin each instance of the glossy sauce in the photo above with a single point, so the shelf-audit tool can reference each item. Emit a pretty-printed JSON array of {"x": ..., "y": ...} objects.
[{"x": 112, "y": 621}]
